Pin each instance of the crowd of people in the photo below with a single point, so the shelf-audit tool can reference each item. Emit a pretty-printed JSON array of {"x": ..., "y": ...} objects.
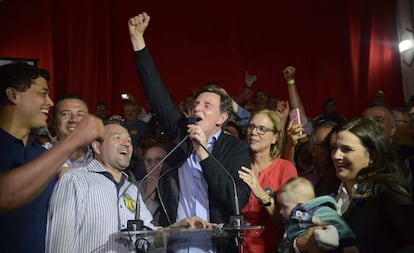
[{"x": 314, "y": 184}]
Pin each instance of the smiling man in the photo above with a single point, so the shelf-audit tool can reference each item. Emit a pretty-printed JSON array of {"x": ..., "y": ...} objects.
[
  {"x": 68, "y": 112},
  {"x": 91, "y": 203},
  {"x": 193, "y": 182},
  {"x": 27, "y": 172}
]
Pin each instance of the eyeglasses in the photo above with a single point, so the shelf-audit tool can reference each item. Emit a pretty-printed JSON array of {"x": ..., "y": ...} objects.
[{"x": 261, "y": 130}]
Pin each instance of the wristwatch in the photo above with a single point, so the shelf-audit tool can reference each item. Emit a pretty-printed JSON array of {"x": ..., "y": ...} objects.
[{"x": 271, "y": 199}]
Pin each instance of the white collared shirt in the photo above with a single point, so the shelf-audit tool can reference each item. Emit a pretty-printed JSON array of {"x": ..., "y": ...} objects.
[
  {"x": 343, "y": 198},
  {"x": 87, "y": 210},
  {"x": 193, "y": 199}
]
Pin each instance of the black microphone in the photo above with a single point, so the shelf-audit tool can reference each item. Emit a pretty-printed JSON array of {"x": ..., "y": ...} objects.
[
  {"x": 137, "y": 224},
  {"x": 236, "y": 220},
  {"x": 192, "y": 120}
]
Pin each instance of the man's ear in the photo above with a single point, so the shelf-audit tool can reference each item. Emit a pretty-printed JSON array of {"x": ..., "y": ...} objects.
[
  {"x": 96, "y": 147},
  {"x": 223, "y": 117},
  {"x": 12, "y": 95}
]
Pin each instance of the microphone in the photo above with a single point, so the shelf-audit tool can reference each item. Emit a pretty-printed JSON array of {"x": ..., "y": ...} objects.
[
  {"x": 236, "y": 220},
  {"x": 192, "y": 120},
  {"x": 137, "y": 224}
]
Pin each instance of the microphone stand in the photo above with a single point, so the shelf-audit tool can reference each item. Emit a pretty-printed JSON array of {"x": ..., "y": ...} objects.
[
  {"x": 141, "y": 244},
  {"x": 138, "y": 224},
  {"x": 138, "y": 207},
  {"x": 236, "y": 220}
]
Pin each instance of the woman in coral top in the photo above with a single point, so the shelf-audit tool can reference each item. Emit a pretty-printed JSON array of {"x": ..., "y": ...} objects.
[{"x": 267, "y": 174}]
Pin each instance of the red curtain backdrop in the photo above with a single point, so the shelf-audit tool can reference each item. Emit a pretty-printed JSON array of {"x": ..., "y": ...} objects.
[
  {"x": 26, "y": 32},
  {"x": 344, "y": 49}
]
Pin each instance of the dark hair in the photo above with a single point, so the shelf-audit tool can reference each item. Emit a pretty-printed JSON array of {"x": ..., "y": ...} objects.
[
  {"x": 157, "y": 144},
  {"x": 101, "y": 103},
  {"x": 236, "y": 126},
  {"x": 19, "y": 76},
  {"x": 65, "y": 97},
  {"x": 385, "y": 161},
  {"x": 320, "y": 125},
  {"x": 330, "y": 100},
  {"x": 134, "y": 104},
  {"x": 411, "y": 100},
  {"x": 112, "y": 122},
  {"x": 333, "y": 117},
  {"x": 226, "y": 105}
]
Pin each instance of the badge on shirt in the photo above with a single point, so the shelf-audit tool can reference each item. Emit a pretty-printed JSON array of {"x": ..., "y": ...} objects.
[{"x": 129, "y": 203}]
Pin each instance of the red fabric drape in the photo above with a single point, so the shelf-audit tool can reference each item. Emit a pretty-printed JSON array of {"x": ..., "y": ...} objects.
[
  {"x": 26, "y": 32},
  {"x": 374, "y": 52},
  {"x": 82, "y": 49},
  {"x": 345, "y": 49}
]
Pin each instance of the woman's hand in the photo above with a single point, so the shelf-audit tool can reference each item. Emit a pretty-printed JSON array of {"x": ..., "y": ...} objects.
[{"x": 248, "y": 176}]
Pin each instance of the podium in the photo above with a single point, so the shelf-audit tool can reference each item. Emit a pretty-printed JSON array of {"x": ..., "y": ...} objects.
[{"x": 218, "y": 239}]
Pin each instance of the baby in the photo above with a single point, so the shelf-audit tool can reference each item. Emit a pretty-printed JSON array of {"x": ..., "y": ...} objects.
[{"x": 301, "y": 210}]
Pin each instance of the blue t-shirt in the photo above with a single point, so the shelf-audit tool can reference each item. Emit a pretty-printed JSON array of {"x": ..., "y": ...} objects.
[{"x": 24, "y": 229}]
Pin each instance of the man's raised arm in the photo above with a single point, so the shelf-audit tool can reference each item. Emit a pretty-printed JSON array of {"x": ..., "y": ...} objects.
[
  {"x": 137, "y": 26},
  {"x": 21, "y": 185}
]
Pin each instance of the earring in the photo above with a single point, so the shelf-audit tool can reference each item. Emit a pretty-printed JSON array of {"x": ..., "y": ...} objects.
[{"x": 371, "y": 162}]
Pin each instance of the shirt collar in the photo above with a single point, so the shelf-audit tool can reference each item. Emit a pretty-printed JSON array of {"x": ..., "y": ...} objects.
[
  {"x": 88, "y": 155},
  {"x": 215, "y": 137},
  {"x": 342, "y": 189},
  {"x": 97, "y": 167},
  {"x": 12, "y": 139}
]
